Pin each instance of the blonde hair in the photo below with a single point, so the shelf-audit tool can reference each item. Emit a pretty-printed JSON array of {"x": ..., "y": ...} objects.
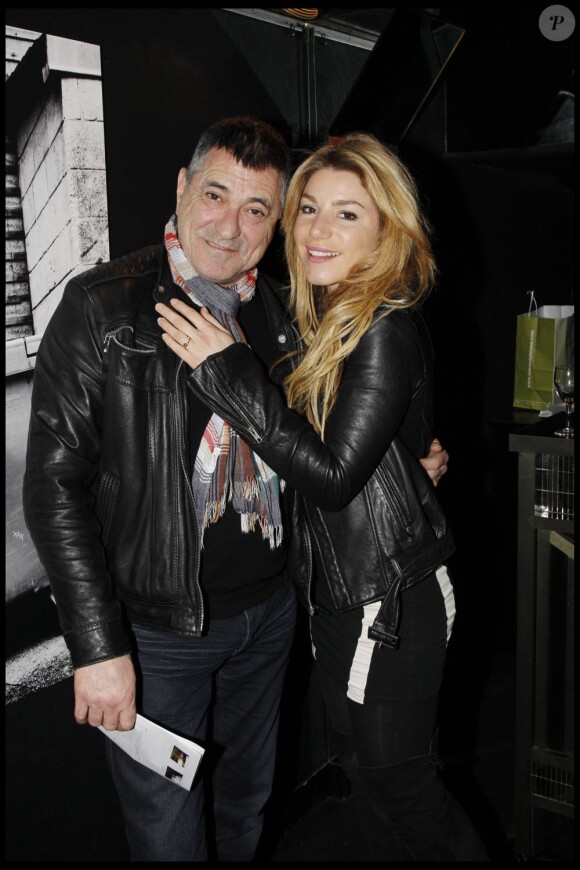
[{"x": 397, "y": 274}]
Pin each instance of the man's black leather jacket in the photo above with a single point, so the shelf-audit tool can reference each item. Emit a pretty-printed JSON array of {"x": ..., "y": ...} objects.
[
  {"x": 107, "y": 494},
  {"x": 368, "y": 505}
]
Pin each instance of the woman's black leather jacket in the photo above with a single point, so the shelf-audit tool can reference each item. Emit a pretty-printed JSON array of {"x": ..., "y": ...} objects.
[
  {"x": 368, "y": 505},
  {"x": 107, "y": 494}
]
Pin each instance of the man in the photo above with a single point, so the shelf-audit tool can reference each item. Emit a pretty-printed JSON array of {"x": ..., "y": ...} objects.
[{"x": 162, "y": 535}]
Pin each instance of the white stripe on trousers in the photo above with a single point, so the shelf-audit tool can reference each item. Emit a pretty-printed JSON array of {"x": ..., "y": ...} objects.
[{"x": 361, "y": 662}]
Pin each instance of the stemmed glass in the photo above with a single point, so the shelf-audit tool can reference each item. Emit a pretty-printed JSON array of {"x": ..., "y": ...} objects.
[{"x": 564, "y": 384}]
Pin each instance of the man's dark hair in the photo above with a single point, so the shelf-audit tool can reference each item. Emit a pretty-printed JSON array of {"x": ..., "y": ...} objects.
[{"x": 255, "y": 144}]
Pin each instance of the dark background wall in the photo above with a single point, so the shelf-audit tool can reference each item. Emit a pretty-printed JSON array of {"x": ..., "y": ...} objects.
[{"x": 487, "y": 137}]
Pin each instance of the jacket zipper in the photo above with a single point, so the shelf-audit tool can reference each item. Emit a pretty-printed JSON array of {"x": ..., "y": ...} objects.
[
  {"x": 181, "y": 429},
  {"x": 394, "y": 498},
  {"x": 310, "y": 561},
  {"x": 109, "y": 489},
  {"x": 112, "y": 336}
]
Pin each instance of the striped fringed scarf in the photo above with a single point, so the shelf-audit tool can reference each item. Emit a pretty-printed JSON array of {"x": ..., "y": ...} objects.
[{"x": 225, "y": 467}]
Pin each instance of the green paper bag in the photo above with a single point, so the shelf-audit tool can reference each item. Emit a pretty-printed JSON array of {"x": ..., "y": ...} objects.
[{"x": 544, "y": 339}]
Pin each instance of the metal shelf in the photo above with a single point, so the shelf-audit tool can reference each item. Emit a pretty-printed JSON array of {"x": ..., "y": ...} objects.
[{"x": 545, "y": 633}]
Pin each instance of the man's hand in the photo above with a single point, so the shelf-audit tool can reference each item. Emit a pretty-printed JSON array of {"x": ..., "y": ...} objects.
[
  {"x": 105, "y": 694},
  {"x": 435, "y": 463}
]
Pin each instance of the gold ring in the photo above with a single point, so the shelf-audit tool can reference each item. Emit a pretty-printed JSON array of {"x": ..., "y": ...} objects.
[{"x": 186, "y": 342}]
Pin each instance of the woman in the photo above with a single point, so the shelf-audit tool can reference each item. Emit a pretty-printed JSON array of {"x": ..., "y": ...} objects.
[{"x": 371, "y": 541}]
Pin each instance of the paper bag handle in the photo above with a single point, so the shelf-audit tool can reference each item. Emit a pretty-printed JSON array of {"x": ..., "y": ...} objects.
[{"x": 532, "y": 302}]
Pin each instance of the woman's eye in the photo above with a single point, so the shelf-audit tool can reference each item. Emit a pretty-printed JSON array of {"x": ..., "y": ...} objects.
[{"x": 348, "y": 215}]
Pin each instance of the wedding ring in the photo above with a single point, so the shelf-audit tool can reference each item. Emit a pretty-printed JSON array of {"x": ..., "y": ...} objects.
[{"x": 186, "y": 342}]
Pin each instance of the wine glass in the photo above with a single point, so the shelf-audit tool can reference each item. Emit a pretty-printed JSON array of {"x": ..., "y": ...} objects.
[{"x": 564, "y": 384}]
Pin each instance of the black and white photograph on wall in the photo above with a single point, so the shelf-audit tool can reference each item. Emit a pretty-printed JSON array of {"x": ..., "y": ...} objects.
[
  {"x": 56, "y": 222},
  {"x": 103, "y": 109}
]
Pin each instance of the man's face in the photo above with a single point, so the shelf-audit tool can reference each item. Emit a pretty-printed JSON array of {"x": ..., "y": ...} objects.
[{"x": 226, "y": 216}]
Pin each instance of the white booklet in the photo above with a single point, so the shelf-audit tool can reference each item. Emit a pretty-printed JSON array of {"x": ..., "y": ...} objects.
[{"x": 174, "y": 757}]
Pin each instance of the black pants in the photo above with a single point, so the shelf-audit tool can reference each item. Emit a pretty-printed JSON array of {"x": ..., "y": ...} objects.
[{"x": 382, "y": 709}]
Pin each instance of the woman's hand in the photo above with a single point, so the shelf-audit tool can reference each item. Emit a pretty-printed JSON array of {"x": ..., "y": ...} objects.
[
  {"x": 192, "y": 335},
  {"x": 435, "y": 463}
]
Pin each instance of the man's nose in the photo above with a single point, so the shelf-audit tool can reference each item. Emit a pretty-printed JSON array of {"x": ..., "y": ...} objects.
[{"x": 228, "y": 224}]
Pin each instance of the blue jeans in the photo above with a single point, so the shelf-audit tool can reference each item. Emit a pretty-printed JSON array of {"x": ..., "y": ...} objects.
[{"x": 223, "y": 691}]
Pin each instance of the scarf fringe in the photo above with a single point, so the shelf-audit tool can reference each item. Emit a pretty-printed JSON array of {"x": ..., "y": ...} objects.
[{"x": 270, "y": 533}]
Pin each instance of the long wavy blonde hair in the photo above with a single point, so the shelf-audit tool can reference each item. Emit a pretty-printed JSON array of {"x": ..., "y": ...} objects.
[{"x": 398, "y": 273}]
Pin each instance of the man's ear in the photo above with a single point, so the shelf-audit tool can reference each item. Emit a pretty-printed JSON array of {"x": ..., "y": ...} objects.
[{"x": 181, "y": 183}]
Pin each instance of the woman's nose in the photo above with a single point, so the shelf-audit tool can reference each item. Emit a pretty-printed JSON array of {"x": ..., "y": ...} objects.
[{"x": 319, "y": 227}]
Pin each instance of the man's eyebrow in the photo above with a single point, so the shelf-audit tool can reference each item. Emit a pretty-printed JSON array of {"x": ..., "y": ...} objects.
[
  {"x": 210, "y": 182},
  {"x": 265, "y": 202}
]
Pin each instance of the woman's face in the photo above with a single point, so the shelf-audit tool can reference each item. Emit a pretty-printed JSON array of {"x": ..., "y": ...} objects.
[{"x": 336, "y": 227}]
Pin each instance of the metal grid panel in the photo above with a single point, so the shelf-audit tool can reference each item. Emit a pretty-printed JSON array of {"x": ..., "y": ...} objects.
[
  {"x": 552, "y": 782},
  {"x": 554, "y": 490}
]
